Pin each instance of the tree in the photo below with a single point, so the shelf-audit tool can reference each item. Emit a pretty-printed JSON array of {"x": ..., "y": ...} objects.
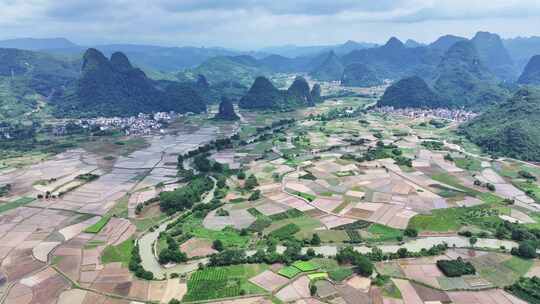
[
  {"x": 174, "y": 301},
  {"x": 201, "y": 163},
  {"x": 251, "y": 182},
  {"x": 312, "y": 290},
  {"x": 403, "y": 252},
  {"x": 473, "y": 240},
  {"x": 241, "y": 175},
  {"x": 315, "y": 240},
  {"x": 255, "y": 195},
  {"x": 217, "y": 245},
  {"x": 411, "y": 232},
  {"x": 525, "y": 250},
  {"x": 363, "y": 265}
]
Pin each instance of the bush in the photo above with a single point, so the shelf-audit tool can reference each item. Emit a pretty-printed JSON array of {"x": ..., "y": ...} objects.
[
  {"x": 525, "y": 250},
  {"x": 255, "y": 195},
  {"x": 363, "y": 265},
  {"x": 251, "y": 182},
  {"x": 455, "y": 268},
  {"x": 411, "y": 232}
]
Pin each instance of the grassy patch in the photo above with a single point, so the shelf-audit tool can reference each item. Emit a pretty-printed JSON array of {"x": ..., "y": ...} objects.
[
  {"x": 383, "y": 233},
  {"x": 308, "y": 197},
  {"x": 451, "y": 219},
  {"x": 390, "y": 290},
  {"x": 285, "y": 232},
  {"x": 453, "y": 181},
  {"x": 468, "y": 163},
  {"x": 228, "y": 236},
  {"x": 120, "y": 253},
  {"x": 96, "y": 228},
  {"x": 501, "y": 274},
  {"x": 340, "y": 274}
]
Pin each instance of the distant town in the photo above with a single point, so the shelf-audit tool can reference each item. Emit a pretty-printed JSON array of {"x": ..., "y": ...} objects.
[{"x": 456, "y": 115}]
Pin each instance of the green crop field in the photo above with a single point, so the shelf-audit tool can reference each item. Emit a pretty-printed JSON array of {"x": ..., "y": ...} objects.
[
  {"x": 289, "y": 272},
  {"x": 305, "y": 266},
  {"x": 285, "y": 232},
  {"x": 318, "y": 276},
  {"x": 96, "y": 228},
  {"x": 223, "y": 282},
  {"x": 381, "y": 233},
  {"x": 340, "y": 274},
  {"x": 16, "y": 203},
  {"x": 120, "y": 253}
]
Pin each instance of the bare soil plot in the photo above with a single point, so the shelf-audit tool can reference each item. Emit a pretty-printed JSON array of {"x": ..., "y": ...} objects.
[
  {"x": 174, "y": 290},
  {"x": 42, "y": 250},
  {"x": 139, "y": 198},
  {"x": 270, "y": 208},
  {"x": 239, "y": 219},
  {"x": 195, "y": 247},
  {"x": 72, "y": 296},
  {"x": 359, "y": 283},
  {"x": 296, "y": 290},
  {"x": 269, "y": 280},
  {"x": 325, "y": 289},
  {"x": 430, "y": 295},
  {"x": 353, "y": 296},
  {"x": 493, "y": 296},
  {"x": 410, "y": 296}
]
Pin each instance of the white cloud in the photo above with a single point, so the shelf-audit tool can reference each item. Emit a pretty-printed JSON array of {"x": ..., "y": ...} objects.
[{"x": 254, "y": 23}]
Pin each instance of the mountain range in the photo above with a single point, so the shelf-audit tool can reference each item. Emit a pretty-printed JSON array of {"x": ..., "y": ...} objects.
[
  {"x": 509, "y": 128},
  {"x": 113, "y": 87},
  {"x": 263, "y": 95}
]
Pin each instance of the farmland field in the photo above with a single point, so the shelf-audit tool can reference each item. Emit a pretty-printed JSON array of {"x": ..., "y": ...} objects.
[{"x": 223, "y": 282}]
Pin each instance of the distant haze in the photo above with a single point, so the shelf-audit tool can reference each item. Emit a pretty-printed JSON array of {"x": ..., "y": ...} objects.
[{"x": 253, "y": 24}]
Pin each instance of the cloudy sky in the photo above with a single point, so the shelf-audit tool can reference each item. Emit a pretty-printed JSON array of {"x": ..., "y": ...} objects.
[{"x": 250, "y": 24}]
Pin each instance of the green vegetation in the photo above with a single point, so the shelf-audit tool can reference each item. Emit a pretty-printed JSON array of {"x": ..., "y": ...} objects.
[
  {"x": 502, "y": 274},
  {"x": 463, "y": 80},
  {"x": 455, "y": 268},
  {"x": 223, "y": 282},
  {"x": 305, "y": 266},
  {"x": 96, "y": 228},
  {"x": 527, "y": 289},
  {"x": 381, "y": 233},
  {"x": 359, "y": 75},
  {"x": 115, "y": 88},
  {"x": 263, "y": 95},
  {"x": 16, "y": 203},
  {"x": 285, "y": 232},
  {"x": 330, "y": 69},
  {"x": 468, "y": 163},
  {"x": 184, "y": 197},
  {"x": 507, "y": 129},
  {"x": 88, "y": 177},
  {"x": 120, "y": 253},
  {"x": 4, "y": 189},
  {"x": 308, "y": 197},
  {"x": 452, "y": 219},
  {"x": 410, "y": 92},
  {"x": 226, "y": 110},
  {"x": 531, "y": 73},
  {"x": 289, "y": 272},
  {"x": 317, "y": 276},
  {"x": 339, "y": 274}
]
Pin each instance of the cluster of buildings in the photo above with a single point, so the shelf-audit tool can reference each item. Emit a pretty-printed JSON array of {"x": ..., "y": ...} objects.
[
  {"x": 456, "y": 115},
  {"x": 142, "y": 124}
]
